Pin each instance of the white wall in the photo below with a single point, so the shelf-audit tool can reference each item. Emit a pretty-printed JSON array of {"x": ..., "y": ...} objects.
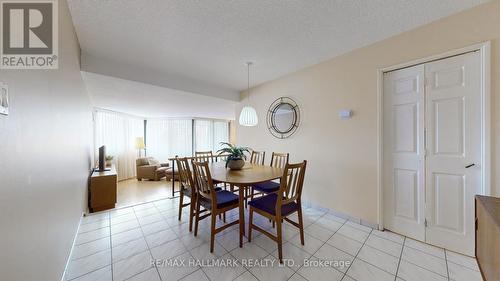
[
  {"x": 44, "y": 163},
  {"x": 342, "y": 154},
  {"x": 152, "y": 101}
]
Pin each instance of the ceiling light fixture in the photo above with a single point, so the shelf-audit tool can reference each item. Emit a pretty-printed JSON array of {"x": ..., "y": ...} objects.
[{"x": 248, "y": 115}]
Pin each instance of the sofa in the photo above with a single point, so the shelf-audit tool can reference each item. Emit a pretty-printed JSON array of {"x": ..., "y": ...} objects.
[{"x": 151, "y": 169}]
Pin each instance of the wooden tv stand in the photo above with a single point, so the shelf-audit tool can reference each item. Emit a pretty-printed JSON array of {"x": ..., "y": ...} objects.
[{"x": 102, "y": 190}]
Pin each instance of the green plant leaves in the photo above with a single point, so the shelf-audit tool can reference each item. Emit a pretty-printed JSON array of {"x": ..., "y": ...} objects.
[{"x": 235, "y": 153}]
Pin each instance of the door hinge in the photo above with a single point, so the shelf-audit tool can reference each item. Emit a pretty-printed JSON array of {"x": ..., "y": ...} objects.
[{"x": 425, "y": 222}]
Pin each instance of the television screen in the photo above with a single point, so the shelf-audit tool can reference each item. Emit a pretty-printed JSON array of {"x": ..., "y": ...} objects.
[{"x": 102, "y": 158}]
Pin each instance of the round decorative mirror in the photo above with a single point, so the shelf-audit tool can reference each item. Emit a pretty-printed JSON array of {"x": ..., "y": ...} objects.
[{"x": 283, "y": 117}]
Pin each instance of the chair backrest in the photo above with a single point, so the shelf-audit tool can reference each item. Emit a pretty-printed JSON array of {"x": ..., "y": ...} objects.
[
  {"x": 292, "y": 182},
  {"x": 257, "y": 157},
  {"x": 279, "y": 160},
  {"x": 204, "y": 156},
  {"x": 185, "y": 176},
  {"x": 203, "y": 180}
]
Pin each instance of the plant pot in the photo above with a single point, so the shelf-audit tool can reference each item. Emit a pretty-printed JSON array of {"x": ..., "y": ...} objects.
[
  {"x": 235, "y": 164},
  {"x": 109, "y": 163}
]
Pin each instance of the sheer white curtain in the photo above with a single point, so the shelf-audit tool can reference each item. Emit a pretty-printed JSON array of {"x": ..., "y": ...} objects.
[
  {"x": 209, "y": 134},
  {"x": 118, "y": 133},
  {"x": 221, "y": 134},
  {"x": 203, "y": 130},
  {"x": 167, "y": 138}
]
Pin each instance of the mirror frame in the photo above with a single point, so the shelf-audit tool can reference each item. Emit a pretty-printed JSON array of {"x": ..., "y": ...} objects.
[{"x": 271, "y": 115}]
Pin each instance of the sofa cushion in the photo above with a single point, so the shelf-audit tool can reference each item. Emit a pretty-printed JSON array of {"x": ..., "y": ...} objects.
[
  {"x": 142, "y": 161},
  {"x": 152, "y": 161}
]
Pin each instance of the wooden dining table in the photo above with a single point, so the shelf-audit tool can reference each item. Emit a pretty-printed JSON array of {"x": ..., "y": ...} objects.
[{"x": 249, "y": 175}]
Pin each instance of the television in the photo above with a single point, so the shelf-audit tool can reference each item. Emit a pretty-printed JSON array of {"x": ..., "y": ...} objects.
[{"x": 102, "y": 159}]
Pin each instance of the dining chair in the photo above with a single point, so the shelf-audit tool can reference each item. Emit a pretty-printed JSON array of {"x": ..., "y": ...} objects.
[
  {"x": 187, "y": 188},
  {"x": 208, "y": 156},
  {"x": 204, "y": 156},
  {"x": 278, "y": 206},
  {"x": 257, "y": 157},
  {"x": 218, "y": 202},
  {"x": 278, "y": 160}
]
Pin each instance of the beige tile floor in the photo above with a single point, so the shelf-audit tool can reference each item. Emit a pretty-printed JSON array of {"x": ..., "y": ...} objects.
[
  {"x": 132, "y": 192},
  {"x": 121, "y": 245}
]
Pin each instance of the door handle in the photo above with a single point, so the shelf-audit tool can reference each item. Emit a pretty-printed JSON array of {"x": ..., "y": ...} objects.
[{"x": 470, "y": 165}]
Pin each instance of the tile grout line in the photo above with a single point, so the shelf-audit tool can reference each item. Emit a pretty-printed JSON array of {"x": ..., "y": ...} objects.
[
  {"x": 295, "y": 271},
  {"x": 313, "y": 222},
  {"x": 446, "y": 261},
  {"x": 86, "y": 256},
  {"x": 147, "y": 244},
  {"x": 111, "y": 264},
  {"x": 324, "y": 243},
  {"x": 400, "y": 257},
  {"x": 422, "y": 251},
  {"x": 406, "y": 260},
  {"x": 356, "y": 256},
  {"x": 268, "y": 254},
  {"x": 111, "y": 247}
]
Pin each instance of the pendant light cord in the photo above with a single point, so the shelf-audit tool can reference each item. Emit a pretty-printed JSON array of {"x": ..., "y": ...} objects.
[{"x": 248, "y": 81}]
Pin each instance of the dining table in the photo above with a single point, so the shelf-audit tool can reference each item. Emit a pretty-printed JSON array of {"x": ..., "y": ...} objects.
[{"x": 244, "y": 178}]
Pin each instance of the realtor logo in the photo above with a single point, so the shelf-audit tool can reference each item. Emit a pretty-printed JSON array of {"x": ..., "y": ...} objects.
[{"x": 29, "y": 34}]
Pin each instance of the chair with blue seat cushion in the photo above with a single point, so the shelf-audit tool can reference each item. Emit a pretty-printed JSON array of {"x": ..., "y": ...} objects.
[
  {"x": 187, "y": 189},
  {"x": 278, "y": 160},
  {"x": 208, "y": 156},
  {"x": 281, "y": 204},
  {"x": 256, "y": 158},
  {"x": 217, "y": 202}
]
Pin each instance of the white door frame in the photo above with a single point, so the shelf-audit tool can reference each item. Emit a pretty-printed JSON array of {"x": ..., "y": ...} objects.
[{"x": 485, "y": 50}]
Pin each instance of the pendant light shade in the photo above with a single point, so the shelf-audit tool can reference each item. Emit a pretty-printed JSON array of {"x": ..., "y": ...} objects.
[{"x": 248, "y": 115}]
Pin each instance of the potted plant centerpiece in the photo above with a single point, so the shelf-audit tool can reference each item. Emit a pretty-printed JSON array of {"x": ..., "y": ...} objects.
[{"x": 236, "y": 155}]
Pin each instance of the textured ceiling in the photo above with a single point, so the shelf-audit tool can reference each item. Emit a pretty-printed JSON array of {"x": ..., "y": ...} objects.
[{"x": 201, "y": 46}]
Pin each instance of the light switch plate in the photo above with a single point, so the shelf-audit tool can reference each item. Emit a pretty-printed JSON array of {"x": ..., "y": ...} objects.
[
  {"x": 345, "y": 114},
  {"x": 4, "y": 99}
]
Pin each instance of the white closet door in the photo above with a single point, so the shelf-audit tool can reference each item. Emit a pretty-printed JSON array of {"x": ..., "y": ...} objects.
[
  {"x": 404, "y": 152},
  {"x": 453, "y": 117}
]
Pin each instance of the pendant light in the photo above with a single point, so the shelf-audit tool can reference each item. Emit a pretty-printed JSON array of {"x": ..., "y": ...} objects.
[{"x": 248, "y": 115}]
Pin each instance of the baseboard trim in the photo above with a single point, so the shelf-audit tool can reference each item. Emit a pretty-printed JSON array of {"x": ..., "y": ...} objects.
[
  {"x": 343, "y": 215},
  {"x": 72, "y": 247}
]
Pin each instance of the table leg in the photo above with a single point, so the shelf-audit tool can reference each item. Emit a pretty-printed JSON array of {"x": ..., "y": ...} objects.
[{"x": 241, "y": 194}]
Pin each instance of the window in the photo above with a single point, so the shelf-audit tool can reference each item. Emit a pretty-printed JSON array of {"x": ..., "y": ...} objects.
[
  {"x": 166, "y": 138},
  {"x": 118, "y": 133},
  {"x": 209, "y": 134},
  {"x": 221, "y": 134}
]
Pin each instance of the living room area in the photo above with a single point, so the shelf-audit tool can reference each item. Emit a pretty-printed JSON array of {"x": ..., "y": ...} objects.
[{"x": 142, "y": 139}]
